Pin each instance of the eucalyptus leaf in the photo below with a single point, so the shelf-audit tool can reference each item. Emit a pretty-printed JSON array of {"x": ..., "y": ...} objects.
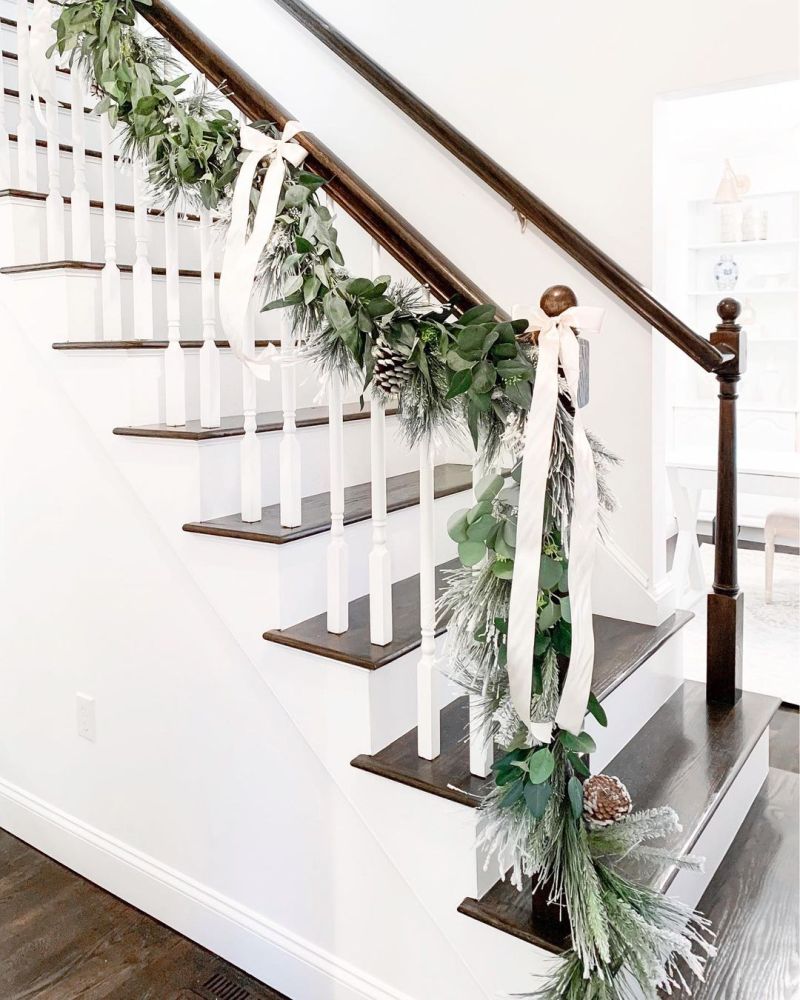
[
  {"x": 471, "y": 552},
  {"x": 575, "y": 793},
  {"x": 488, "y": 487},
  {"x": 457, "y": 526},
  {"x": 537, "y": 797},
  {"x": 540, "y": 766}
]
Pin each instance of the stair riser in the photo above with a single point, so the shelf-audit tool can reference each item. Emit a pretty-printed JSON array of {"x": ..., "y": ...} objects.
[
  {"x": 195, "y": 481},
  {"x": 303, "y": 586},
  {"x": 69, "y": 301},
  {"x": 91, "y": 123},
  {"x": 24, "y": 239},
  {"x": 63, "y": 81},
  {"x": 723, "y": 826},
  {"x": 127, "y": 387},
  {"x": 636, "y": 700}
]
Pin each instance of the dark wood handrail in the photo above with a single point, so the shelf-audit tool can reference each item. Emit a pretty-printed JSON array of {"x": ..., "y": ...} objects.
[
  {"x": 523, "y": 200},
  {"x": 408, "y": 246}
]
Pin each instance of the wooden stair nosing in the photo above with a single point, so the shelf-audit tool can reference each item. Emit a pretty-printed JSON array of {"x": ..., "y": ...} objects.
[
  {"x": 697, "y": 751},
  {"x": 620, "y": 649},
  {"x": 89, "y": 265},
  {"x": 142, "y": 345},
  {"x": 155, "y": 213},
  {"x": 353, "y": 646},
  {"x": 401, "y": 492},
  {"x": 309, "y": 416}
]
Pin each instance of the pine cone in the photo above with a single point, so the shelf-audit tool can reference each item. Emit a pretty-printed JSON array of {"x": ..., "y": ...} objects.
[
  {"x": 392, "y": 369},
  {"x": 605, "y": 800}
]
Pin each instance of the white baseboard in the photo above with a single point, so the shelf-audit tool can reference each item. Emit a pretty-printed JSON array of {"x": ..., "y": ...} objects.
[{"x": 272, "y": 953}]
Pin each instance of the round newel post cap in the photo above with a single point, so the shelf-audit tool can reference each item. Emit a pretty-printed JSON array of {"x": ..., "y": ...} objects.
[
  {"x": 557, "y": 299},
  {"x": 728, "y": 310}
]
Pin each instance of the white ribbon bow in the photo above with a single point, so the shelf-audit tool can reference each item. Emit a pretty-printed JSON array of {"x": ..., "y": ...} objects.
[
  {"x": 243, "y": 252},
  {"x": 557, "y": 344}
]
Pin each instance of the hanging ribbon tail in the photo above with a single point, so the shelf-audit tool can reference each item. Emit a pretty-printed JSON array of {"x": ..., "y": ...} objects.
[
  {"x": 42, "y": 69},
  {"x": 243, "y": 251},
  {"x": 557, "y": 345}
]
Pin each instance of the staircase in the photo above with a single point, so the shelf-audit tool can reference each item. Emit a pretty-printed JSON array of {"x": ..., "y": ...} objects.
[{"x": 285, "y": 776}]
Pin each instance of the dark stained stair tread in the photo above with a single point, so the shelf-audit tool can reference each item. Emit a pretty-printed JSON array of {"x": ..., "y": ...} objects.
[
  {"x": 686, "y": 756},
  {"x": 140, "y": 345},
  {"x": 308, "y": 416},
  {"x": 87, "y": 265},
  {"x": 620, "y": 648},
  {"x": 401, "y": 492},
  {"x": 354, "y": 646}
]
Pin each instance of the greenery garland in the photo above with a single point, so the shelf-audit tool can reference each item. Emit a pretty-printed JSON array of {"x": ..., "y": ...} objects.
[{"x": 449, "y": 371}]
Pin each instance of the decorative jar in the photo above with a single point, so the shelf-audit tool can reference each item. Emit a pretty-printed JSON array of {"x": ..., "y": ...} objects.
[{"x": 726, "y": 273}]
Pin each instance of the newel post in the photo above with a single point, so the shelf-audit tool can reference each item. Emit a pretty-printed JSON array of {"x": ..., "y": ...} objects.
[{"x": 726, "y": 602}]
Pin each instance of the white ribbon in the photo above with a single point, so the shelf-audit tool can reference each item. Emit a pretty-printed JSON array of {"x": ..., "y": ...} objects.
[
  {"x": 243, "y": 252},
  {"x": 557, "y": 344},
  {"x": 42, "y": 36}
]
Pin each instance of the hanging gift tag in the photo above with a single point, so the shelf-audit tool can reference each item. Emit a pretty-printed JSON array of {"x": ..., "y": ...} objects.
[{"x": 583, "y": 379}]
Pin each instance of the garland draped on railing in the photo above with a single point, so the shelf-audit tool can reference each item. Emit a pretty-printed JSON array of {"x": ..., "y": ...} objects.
[{"x": 546, "y": 816}]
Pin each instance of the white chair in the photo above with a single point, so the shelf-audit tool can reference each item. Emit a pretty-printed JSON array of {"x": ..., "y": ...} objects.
[{"x": 784, "y": 523}]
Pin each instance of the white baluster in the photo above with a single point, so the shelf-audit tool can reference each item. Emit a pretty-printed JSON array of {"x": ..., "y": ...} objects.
[
  {"x": 481, "y": 748},
  {"x": 290, "y": 482},
  {"x": 5, "y": 152},
  {"x": 142, "y": 270},
  {"x": 174, "y": 374},
  {"x": 337, "y": 547},
  {"x": 79, "y": 209},
  {"x": 428, "y": 737},
  {"x": 209, "y": 352},
  {"x": 56, "y": 246},
  {"x": 112, "y": 293},
  {"x": 251, "y": 449},
  {"x": 380, "y": 564},
  {"x": 26, "y": 137}
]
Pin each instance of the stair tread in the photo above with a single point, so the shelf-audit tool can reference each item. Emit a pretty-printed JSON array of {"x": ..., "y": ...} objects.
[
  {"x": 88, "y": 265},
  {"x": 354, "y": 646},
  {"x": 140, "y": 345},
  {"x": 686, "y": 756},
  {"x": 620, "y": 649},
  {"x": 307, "y": 416},
  {"x": 401, "y": 491}
]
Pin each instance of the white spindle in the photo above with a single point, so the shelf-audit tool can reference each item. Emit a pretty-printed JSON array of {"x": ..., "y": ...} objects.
[
  {"x": 481, "y": 749},
  {"x": 251, "y": 449},
  {"x": 56, "y": 246},
  {"x": 209, "y": 353},
  {"x": 142, "y": 270},
  {"x": 26, "y": 137},
  {"x": 174, "y": 374},
  {"x": 380, "y": 564},
  {"x": 5, "y": 153},
  {"x": 112, "y": 293},
  {"x": 290, "y": 483},
  {"x": 79, "y": 208},
  {"x": 337, "y": 547},
  {"x": 428, "y": 741}
]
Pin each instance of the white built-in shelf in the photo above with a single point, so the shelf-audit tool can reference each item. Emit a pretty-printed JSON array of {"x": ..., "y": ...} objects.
[
  {"x": 740, "y": 244},
  {"x": 735, "y": 292},
  {"x": 749, "y": 197}
]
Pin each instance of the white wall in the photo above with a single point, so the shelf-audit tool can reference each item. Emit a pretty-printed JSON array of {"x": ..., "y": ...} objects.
[{"x": 563, "y": 96}]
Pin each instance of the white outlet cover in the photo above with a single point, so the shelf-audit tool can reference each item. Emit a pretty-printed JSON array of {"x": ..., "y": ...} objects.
[{"x": 85, "y": 716}]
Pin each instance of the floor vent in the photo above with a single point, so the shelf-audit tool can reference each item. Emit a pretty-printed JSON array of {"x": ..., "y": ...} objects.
[{"x": 220, "y": 987}]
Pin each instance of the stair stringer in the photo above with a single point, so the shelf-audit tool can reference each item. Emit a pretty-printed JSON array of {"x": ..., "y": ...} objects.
[{"x": 229, "y": 738}]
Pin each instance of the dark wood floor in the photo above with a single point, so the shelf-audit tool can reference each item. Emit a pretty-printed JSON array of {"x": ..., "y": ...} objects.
[{"x": 62, "y": 937}]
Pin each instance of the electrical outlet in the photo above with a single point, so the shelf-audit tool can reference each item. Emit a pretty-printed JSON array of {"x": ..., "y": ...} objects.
[{"x": 86, "y": 723}]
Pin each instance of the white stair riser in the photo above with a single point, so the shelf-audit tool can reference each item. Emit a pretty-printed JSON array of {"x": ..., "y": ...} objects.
[
  {"x": 127, "y": 387},
  {"x": 25, "y": 220},
  {"x": 63, "y": 82},
  {"x": 91, "y": 125},
  {"x": 191, "y": 481}
]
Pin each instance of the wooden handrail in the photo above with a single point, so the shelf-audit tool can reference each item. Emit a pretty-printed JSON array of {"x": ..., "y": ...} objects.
[
  {"x": 524, "y": 201},
  {"x": 408, "y": 246}
]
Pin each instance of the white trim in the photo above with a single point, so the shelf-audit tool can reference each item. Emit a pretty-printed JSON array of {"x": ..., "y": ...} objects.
[{"x": 284, "y": 960}]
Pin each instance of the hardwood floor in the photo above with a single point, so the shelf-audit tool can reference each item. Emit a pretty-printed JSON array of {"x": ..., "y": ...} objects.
[{"x": 62, "y": 937}]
